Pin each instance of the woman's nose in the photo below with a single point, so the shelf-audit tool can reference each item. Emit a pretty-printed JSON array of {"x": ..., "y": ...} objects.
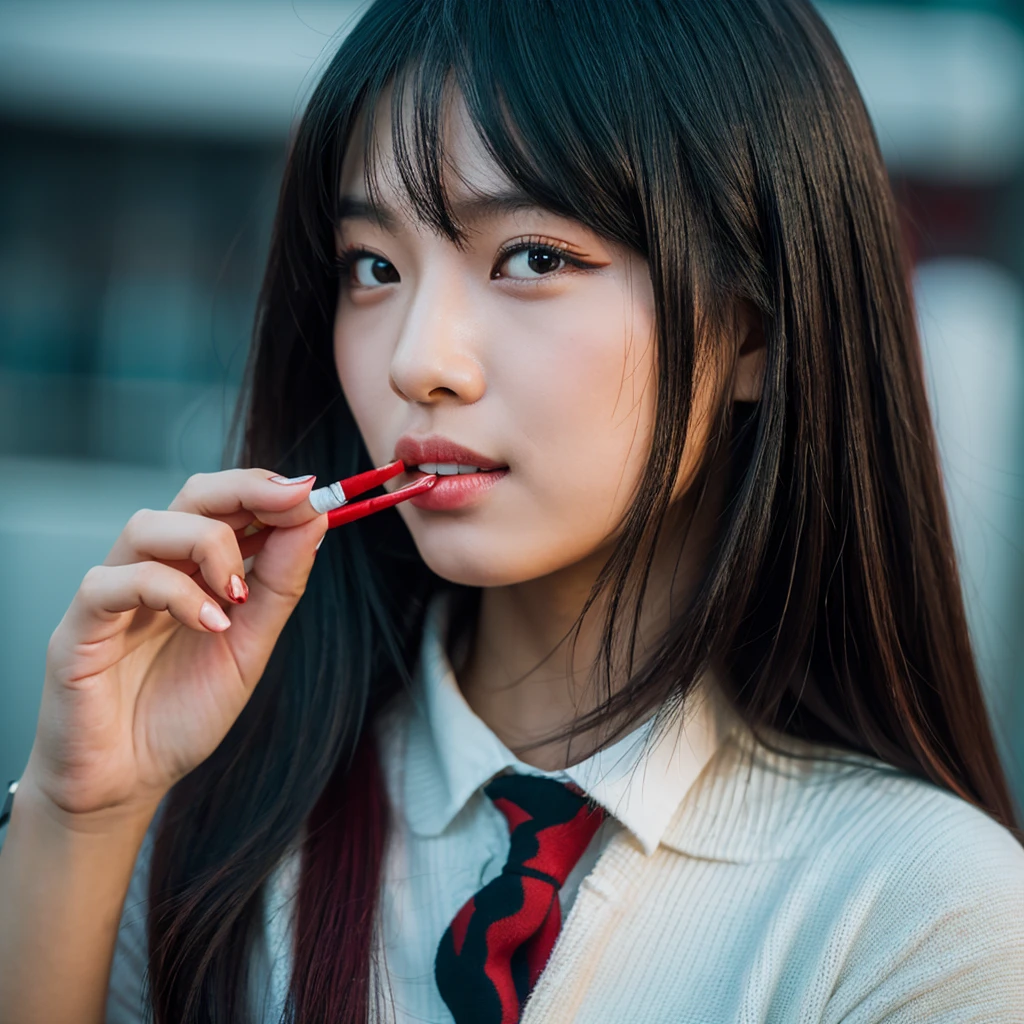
[{"x": 436, "y": 356}]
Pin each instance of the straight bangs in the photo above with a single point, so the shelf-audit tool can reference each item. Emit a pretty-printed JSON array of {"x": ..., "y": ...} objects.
[{"x": 543, "y": 116}]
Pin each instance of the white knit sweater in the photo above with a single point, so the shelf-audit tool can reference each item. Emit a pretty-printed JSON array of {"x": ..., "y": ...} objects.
[{"x": 783, "y": 890}]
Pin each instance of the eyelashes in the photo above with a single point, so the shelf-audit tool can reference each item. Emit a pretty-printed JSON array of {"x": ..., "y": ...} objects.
[
  {"x": 346, "y": 261},
  {"x": 538, "y": 244}
]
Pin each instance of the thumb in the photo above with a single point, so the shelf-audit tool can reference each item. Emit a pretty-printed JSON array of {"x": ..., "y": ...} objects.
[{"x": 276, "y": 581}]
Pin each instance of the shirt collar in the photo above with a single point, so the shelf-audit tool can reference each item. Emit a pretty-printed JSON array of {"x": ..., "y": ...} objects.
[{"x": 450, "y": 752}]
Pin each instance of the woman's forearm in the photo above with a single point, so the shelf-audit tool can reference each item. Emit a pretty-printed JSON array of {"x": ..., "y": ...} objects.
[{"x": 62, "y": 887}]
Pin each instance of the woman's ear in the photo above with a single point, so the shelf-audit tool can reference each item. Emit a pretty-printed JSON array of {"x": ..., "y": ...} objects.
[{"x": 750, "y": 358}]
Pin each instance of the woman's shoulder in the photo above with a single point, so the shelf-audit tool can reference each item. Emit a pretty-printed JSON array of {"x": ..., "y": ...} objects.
[
  {"x": 798, "y": 798},
  {"x": 866, "y": 808},
  {"x": 921, "y": 891},
  {"x": 924, "y": 851},
  {"x": 908, "y": 899},
  {"x": 910, "y": 847}
]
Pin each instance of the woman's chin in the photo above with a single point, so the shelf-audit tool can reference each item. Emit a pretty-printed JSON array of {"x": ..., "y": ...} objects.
[{"x": 472, "y": 572}]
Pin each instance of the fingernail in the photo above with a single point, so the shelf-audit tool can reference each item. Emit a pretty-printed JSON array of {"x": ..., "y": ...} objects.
[
  {"x": 237, "y": 590},
  {"x": 319, "y": 542},
  {"x": 293, "y": 479},
  {"x": 212, "y": 617}
]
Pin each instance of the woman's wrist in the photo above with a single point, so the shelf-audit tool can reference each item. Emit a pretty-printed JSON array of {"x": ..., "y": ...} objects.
[
  {"x": 114, "y": 822},
  {"x": 63, "y": 880}
]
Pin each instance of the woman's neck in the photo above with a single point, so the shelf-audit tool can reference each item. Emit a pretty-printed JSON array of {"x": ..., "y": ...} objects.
[{"x": 517, "y": 677}]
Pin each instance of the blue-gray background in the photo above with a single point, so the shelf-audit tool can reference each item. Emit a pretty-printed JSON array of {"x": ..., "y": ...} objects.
[{"x": 141, "y": 146}]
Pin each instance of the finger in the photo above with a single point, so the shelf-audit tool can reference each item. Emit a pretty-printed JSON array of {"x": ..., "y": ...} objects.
[
  {"x": 277, "y": 580},
  {"x": 255, "y": 491},
  {"x": 107, "y": 591},
  {"x": 190, "y": 543},
  {"x": 249, "y": 547}
]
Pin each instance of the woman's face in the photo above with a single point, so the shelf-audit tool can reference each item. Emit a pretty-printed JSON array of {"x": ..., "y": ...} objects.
[{"x": 539, "y": 360}]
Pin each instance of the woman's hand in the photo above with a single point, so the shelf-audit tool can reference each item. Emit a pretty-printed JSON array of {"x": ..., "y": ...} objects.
[{"x": 145, "y": 673}]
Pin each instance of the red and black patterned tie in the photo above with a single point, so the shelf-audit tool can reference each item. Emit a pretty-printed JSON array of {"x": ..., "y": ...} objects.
[{"x": 492, "y": 953}]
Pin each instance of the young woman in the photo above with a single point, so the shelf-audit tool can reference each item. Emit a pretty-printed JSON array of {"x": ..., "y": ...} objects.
[{"x": 664, "y": 707}]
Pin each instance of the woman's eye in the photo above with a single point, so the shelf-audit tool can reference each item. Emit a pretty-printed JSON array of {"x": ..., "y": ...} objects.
[
  {"x": 367, "y": 270},
  {"x": 534, "y": 261}
]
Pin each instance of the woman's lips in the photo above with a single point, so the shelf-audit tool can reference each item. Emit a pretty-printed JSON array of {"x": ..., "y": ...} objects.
[{"x": 452, "y": 491}]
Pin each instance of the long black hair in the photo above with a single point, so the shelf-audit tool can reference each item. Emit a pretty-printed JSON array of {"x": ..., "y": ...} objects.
[{"x": 726, "y": 142}]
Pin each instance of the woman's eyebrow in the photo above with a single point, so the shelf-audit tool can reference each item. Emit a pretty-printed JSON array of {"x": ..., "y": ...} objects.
[{"x": 475, "y": 207}]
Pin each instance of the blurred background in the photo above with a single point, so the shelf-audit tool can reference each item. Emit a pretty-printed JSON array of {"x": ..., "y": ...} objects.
[{"x": 141, "y": 147}]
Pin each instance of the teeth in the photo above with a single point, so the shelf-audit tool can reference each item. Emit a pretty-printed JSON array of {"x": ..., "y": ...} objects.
[{"x": 449, "y": 468}]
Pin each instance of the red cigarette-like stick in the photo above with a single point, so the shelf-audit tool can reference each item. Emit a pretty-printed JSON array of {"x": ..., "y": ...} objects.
[
  {"x": 356, "y": 510},
  {"x": 335, "y": 499},
  {"x": 363, "y": 482}
]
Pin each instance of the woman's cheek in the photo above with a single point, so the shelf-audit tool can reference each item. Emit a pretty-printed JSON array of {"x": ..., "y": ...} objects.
[
  {"x": 593, "y": 384},
  {"x": 363, "y": 375}
]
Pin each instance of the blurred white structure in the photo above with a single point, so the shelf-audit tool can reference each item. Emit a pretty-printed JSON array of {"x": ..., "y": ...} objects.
[
  {"x": 945, "y": 87},
  {"x": 971, "y": 316},
  {"x": 227, "y": 67}
]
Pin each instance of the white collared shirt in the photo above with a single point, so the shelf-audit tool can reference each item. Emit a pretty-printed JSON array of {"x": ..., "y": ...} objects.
[{"x": 448, "y": 839}]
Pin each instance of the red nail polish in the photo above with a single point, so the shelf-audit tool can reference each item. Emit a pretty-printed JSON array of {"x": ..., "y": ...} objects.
[{"x": 237, "y": 590}]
